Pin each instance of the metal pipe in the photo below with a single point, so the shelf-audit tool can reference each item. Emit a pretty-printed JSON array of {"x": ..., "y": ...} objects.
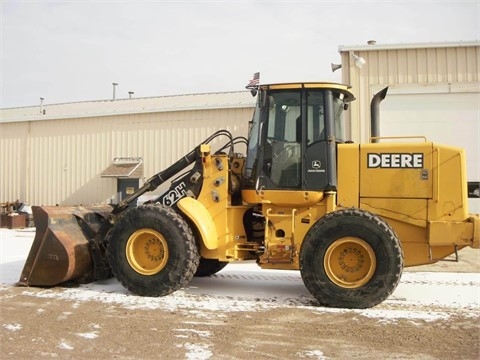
[
  {"x": 114, "y": 84},
  {"x": 375, "y": 114}
]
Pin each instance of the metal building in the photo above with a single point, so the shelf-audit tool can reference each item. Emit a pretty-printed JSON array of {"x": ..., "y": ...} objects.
[
  {"x": 433, "y": 92},
  {"x": 91, "y": 152},
  {"x": 96, "y": 151}
]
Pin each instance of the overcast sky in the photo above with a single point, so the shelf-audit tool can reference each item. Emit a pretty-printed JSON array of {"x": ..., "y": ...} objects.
[{"x": 68, "y": 51}]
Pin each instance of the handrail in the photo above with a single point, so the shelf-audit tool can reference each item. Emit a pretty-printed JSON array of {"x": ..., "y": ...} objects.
[{"x": 397, "y": 137}]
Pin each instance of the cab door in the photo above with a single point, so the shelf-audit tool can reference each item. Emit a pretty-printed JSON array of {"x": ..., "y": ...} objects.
[{"x": 295, "y": 152}]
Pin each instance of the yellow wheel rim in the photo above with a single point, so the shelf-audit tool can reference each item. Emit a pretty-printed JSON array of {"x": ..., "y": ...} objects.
[
  {"x": 147, "y": 251},
  {"x": 350, "y": 262}
]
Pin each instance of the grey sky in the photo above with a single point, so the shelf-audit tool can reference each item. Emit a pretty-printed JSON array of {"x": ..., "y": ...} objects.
[{"x": 73, "y": 50}]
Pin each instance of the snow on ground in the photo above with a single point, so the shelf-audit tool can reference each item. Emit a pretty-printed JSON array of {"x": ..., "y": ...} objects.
[{"x": 246, "y": 287}]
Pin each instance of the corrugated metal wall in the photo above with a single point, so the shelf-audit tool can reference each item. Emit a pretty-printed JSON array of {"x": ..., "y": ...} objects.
[
  {"x": 456, "y": 66},
  {"x": 60, "y": 161},
  {"x": 13, "y": 160}
]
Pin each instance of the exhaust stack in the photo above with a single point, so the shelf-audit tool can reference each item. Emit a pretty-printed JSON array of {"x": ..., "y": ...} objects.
[{"x": 375, "y": 114}]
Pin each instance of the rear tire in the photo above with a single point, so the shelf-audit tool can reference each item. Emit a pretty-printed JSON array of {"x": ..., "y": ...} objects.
[
  {"x": 152, "y": 251},
  {"x": 351, "y": 259},
  {"x": 209, "y": 267}
]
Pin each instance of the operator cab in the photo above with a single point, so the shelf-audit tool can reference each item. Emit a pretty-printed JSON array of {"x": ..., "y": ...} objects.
[{"x": 293, "y": 136}]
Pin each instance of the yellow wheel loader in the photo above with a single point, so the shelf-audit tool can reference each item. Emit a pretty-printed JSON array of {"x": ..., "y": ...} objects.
[{"x": 348, "y": 216}]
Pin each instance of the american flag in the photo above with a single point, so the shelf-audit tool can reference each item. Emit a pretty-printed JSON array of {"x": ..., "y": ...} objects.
[{"x": 255, "y": 80}]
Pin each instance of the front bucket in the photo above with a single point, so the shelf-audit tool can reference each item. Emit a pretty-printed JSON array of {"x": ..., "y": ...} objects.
[{"x": 61, "y": 251}]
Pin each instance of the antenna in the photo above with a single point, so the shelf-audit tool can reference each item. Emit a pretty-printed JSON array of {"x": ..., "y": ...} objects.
[
  {"x": 114, "y": 84},
  {"x": 42, "y": 112}
]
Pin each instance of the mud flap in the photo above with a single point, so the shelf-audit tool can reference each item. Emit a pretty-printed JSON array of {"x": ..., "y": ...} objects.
[{"x": 61, "y": 249}]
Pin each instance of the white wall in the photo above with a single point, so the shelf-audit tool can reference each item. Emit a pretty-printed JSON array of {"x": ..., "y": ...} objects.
[{"x": 447, "y": 118}]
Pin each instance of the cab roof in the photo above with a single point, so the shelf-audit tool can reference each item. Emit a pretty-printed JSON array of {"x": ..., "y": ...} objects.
[{"x": 344, "y": 89}]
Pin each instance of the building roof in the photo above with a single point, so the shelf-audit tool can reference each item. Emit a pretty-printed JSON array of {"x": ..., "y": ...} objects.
[
  {"x": 221, "y": 100},
  {"x": 124, "y": 168},
  {"x": 373, "y": 46}
]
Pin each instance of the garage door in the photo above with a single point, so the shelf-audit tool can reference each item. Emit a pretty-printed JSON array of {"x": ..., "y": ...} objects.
[{"x": 447, "y": 118}]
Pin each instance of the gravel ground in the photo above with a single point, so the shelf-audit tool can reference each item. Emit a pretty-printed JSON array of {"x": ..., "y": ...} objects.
[{"x": 89, "y": 322}]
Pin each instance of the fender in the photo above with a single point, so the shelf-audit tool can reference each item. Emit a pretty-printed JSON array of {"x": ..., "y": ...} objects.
[{"x": 202, "y": 219}]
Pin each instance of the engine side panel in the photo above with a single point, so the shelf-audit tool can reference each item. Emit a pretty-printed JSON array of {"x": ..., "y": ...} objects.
[
  {"x": 400, "y": 170},
  {"x": 419, "y": 188}
]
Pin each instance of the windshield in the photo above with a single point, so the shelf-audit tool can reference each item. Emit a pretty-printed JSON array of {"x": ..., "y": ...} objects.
[
  {"x": 252, "y": 149},
  {"x": 284, "y": 120}
]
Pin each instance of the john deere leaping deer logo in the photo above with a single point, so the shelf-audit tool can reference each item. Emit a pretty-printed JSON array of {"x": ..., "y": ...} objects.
[{"x": 316, "y": 167}]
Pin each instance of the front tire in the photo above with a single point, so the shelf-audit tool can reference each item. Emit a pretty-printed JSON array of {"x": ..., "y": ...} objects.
[
  {"x": 351, "y": 259},
  {"x": 152, "y": 251}
]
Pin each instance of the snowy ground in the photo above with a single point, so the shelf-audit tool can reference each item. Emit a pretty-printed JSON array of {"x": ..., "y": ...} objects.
[
  {"x": 420, "y": 295},
  {"x": 242, "y": 312}
]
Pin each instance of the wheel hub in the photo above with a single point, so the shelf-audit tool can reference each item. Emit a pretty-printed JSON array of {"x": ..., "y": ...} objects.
[
  {"x": 351, "y": 259},
  {"x": 154, "y": 250},
  {"x": 147, "y": 251},
  {"x": 350, "y": 262}
]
